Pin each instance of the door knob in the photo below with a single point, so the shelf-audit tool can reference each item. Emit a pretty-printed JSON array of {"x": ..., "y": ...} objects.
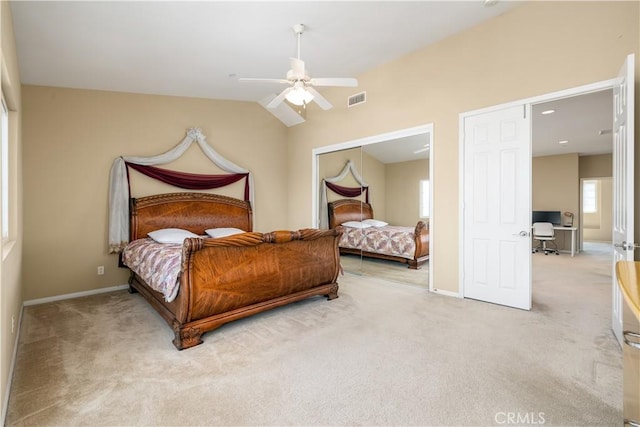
[{"x": 626, "y": 246}]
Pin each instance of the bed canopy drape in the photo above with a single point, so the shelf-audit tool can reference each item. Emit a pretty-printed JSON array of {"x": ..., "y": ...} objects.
[
  {"x": 330, "y": 183},
  {"x": 119, "y": 189}
]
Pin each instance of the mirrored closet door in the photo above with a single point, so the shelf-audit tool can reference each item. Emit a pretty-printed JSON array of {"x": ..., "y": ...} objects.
[{"x": 396, "y": 172}]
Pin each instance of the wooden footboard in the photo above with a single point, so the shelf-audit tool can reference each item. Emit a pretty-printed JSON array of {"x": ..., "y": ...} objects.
[
  {"x": 234, "y": 277},
  {"x": 421, "y": 236}
]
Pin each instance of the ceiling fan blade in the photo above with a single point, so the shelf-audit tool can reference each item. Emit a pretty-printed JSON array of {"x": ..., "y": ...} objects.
[
  {"x": 283, "y": 112},
  {"x": 334, "y": 81},
  {"x": 319, "y": 99},
  {"x": 263, "y": 80},
  {"x": 278, "y": 99},
  {"x": 297, "y": 68}
]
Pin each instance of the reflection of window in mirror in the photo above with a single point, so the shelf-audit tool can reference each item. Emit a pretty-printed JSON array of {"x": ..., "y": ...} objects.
[{"x": 424, "y": 198}]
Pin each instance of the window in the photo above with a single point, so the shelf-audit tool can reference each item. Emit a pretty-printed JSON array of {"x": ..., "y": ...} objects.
[
  {"x": 590, "y": 196},
  {"x": 424, "y": 198},
  {"x": 4, "y": 157}
]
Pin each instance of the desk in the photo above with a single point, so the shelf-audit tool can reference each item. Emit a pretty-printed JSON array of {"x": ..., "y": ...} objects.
[{"x": 573, "y": 236}]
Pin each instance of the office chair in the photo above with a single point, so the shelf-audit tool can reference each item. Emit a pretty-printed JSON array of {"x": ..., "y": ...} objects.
[{"x": 543, "y": 232}]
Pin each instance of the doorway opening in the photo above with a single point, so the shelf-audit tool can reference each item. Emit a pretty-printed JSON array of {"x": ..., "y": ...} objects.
[
  {"x": 516, "y": 280},
  {"x": 507, "y": 127},
  {"x": 572, "y": 144},
  {"x": 572, "y": 166}
]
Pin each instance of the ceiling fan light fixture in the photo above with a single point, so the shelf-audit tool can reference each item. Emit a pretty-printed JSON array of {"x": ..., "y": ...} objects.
[
  {"x": 299, "y": 96},
  {"x": 301, "y": 89}
]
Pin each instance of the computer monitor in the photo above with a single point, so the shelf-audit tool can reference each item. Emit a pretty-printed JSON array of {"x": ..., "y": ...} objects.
[{"x": 546, "y": 216}]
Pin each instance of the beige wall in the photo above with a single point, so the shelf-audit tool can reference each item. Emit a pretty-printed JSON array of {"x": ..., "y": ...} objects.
[
  {"x": 537, "y": 48},
  {"x": 10, "y": 267},
  {"x": 556, "y": 187},
  {"x": 374, "y": 174},
  {"x": 596, "y": 166},
  {"x": 71, "y": 138},
  {"x": 403, "y": 191}
]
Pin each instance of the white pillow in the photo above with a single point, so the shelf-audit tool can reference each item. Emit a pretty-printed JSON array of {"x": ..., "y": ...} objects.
[
  {"x": 171, "y": 235},
  {"x": 223, "y": 232},
  {"x": 375, "y": 222},
  {"x": 356, "y": 224}
]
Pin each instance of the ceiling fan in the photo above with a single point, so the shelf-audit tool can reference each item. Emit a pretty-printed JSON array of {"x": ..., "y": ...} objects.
[{"x": 301, "y": 89}]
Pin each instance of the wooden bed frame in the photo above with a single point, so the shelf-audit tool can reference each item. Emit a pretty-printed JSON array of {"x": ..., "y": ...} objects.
[
  {"x": 343, "y": 210},
  {"x": 230, "y": 278}
]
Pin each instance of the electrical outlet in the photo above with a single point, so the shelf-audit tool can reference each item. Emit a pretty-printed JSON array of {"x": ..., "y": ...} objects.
[
  {"x": 100, "y": 270},
  {"x": 13, "y": 324}
]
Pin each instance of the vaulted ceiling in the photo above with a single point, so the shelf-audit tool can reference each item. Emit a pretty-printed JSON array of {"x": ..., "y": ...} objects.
[{"x": 201, "y": 48}]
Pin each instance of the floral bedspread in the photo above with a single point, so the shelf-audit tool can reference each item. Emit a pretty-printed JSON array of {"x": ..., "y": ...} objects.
[
  {"x": 389, "y": 240},
  {"x": 158, "y": 264}
]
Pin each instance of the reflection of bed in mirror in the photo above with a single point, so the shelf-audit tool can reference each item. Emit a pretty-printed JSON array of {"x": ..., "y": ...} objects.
[{"x": 365, "y": 235}]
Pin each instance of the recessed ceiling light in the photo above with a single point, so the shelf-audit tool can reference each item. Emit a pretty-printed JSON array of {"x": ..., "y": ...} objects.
[
  {"x": 563, "y": 142},
  {"x": 545, "y": 112}
]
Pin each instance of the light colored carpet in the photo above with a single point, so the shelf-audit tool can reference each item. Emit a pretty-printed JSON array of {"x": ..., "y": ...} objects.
[{"x": 381, "y": 354}]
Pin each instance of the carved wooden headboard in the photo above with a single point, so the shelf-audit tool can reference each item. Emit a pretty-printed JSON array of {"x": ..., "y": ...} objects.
[
  {"x": 343, "y": 210},
  {"x": 195, "y": 212}
]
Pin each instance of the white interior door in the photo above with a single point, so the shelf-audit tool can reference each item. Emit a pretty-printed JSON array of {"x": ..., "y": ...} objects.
[
  {"x": 497, "y": 207},
  {"x": 623, "y": 171}
]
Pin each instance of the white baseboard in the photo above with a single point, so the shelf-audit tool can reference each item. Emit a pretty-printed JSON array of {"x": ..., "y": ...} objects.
[
  {"x": 5, "y": 403},
  {"x": 74, "y": 295},
  {"x": 447, "y": 293}
]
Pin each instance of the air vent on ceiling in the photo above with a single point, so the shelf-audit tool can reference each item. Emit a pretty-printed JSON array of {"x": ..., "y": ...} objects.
[{"x": 358, "y": 98}]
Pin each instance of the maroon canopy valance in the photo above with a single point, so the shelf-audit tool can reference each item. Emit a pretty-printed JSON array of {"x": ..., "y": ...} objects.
[
  {"x": 349, "y": 191},
  {"x": 191, "y": 181}
]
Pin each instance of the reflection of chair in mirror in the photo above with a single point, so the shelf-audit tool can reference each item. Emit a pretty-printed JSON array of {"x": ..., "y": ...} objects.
[{"x": 544, "y": 234}]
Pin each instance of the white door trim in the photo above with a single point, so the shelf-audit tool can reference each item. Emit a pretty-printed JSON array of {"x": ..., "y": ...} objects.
[
  {"x": 565, "y": 93},
  {"x": 417, "y": 130}
]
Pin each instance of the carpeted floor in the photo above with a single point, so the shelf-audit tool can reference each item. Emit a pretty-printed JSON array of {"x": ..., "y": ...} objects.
[
  {"x": 387, "y": 270},
  {"x": 382, "y": 354}
]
